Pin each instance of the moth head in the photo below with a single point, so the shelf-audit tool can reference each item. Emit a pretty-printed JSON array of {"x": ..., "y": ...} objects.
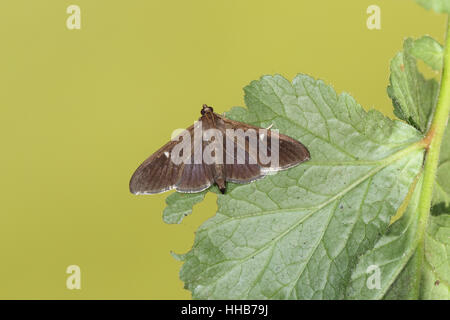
[{"x": 206, "y": 109}]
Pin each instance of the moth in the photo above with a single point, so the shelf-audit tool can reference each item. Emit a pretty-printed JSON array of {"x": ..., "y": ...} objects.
[{"x": 216, "y": 150}]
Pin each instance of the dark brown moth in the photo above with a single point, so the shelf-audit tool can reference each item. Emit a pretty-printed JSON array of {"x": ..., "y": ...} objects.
[{"x": 244, "y": 163}]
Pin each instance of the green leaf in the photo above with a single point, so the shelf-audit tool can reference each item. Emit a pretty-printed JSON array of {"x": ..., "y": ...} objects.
[
  {"x": 297, "y": 234},
  {"x": 179, "y": 205},
  {"x": 394, "y": 256},
  {"x": 441, "y": 192},
  {"x": 401, "y": 263},
  {"x": 436, "y": 271},
  {"x": 428, "y": 50},
  {"x": 407, "y": 284},
  {"x": 413, "y": 97},
  {"x": 441, "y": 6}
]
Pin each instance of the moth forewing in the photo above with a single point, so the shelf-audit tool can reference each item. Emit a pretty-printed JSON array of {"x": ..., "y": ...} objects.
[
  {"x": 268, "y": 150},
  {"x": 241, "y": 143},
  {"x": 181, "y": 151},
  {"x": 198, "y": 142}
]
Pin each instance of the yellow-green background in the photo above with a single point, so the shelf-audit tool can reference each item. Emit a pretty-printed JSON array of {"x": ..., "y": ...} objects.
[{"x": 80, "y": 109}]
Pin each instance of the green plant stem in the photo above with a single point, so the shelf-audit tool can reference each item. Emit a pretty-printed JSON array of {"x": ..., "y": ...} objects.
[{"x": 433, "y": 142}]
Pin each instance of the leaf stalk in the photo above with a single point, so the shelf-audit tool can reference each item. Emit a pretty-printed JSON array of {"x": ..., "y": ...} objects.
[{"x": 432, "y": 143}]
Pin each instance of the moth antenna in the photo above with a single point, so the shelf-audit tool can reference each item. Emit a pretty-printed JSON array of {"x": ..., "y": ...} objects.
[{"x": 269, "y": 127}]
